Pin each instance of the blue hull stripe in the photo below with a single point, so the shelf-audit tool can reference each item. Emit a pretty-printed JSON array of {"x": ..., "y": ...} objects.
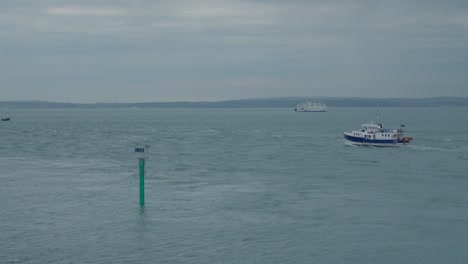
[{"x": 370, "y": 141}]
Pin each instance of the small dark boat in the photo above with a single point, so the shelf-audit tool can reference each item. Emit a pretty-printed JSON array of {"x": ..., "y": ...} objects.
[{"x": 5, "y": 119}]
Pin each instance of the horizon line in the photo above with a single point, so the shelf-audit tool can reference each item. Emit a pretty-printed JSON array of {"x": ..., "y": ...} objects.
[{"x": 230, "y": 100}]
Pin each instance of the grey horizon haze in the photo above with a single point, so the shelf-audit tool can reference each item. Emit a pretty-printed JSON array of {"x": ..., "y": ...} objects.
[{"x": 142, "y": 51}]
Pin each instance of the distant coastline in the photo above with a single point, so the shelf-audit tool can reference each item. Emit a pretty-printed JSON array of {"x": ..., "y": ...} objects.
[{"x": 251, "y": 103}]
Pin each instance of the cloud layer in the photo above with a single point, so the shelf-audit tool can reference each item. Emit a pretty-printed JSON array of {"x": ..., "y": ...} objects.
[{"x": 215, "y": 50}]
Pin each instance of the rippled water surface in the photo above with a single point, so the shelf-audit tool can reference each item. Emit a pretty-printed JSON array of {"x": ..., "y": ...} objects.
[{"x": 232, "y": 186}]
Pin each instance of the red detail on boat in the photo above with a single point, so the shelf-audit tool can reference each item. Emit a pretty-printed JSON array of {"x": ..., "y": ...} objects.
[{"x": 406, "y": 139}]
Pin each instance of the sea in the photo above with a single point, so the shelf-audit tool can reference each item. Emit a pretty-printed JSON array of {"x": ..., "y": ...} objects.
[{"x": 247, "y": 185}]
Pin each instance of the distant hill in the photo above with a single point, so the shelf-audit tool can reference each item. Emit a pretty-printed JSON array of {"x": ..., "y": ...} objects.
[{"x": 252, "y": 103}]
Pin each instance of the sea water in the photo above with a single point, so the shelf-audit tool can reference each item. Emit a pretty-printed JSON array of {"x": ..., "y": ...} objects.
[{"x": 232, "y": 186}]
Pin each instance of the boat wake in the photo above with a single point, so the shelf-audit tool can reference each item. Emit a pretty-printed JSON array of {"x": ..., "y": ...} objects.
[{"x": 431, "y": 148}]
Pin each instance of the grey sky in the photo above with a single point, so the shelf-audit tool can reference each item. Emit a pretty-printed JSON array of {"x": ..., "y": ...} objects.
[{"x": 135, "y": 51}]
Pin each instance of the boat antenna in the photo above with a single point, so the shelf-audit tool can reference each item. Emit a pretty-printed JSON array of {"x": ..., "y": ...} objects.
[{"x": 378, "y": 116}]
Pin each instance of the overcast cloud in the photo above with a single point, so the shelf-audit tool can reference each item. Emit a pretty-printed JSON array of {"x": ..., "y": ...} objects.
[{"x": 135, "y": 51}]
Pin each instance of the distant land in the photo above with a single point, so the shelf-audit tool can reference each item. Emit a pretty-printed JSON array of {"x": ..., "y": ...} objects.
[{"x": 252, "y": 103}]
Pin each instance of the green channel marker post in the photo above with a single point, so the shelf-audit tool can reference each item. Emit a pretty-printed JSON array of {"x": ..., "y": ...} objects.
[
  {"x": 142, "y": 182},
  {"x": 143, "y": 154}
]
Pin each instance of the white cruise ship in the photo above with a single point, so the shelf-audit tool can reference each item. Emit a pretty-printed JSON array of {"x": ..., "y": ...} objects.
[{"x": 311, "y": 106}]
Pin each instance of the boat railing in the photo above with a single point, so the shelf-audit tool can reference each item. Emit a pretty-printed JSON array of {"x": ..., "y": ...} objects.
[{"x": 386, "y": 130}]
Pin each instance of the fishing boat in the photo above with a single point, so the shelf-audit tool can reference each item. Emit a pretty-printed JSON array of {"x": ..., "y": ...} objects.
[
  {"x": 5, "y": 119},
  {"x": 374, "y": 134},
  {"x": 311, "y": 106}
]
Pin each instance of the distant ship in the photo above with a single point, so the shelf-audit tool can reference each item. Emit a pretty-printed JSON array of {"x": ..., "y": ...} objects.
[
  {"x": 311, "y": 106},
  {"x": 373, "y": 134},
  {"x": 5, "y": 119}
]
